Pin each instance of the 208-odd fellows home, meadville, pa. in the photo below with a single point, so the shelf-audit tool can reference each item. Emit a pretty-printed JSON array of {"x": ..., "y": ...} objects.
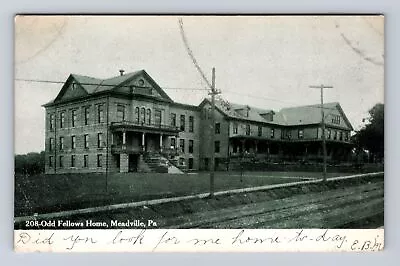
[{"x": 128, "y": 123}]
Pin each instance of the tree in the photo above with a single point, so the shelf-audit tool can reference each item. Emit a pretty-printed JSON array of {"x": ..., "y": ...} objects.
[
  {"x": 371, "y": 136},
  {"x": 30, "y": 164}
]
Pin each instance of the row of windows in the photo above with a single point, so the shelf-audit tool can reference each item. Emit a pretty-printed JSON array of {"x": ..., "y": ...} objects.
[
  {"x": 72, "y": 161},
  {"x": 61, "y": 143},
  {"x": 182, "y": 122},
  {"x": 182, "y": 162},
  {"x": 336, "y": 135},
  {"x": 182, "y": 145},
  {"x": 74, "y": 117},
  {"x": 248, "y": 130},
  {"x": 142, "y": 116}
]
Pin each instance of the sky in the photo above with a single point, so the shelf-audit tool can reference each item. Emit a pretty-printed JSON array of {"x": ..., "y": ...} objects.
[{"x": 267, "y": 62}]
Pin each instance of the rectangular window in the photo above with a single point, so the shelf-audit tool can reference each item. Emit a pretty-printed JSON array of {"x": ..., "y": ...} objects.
[
  {"x": 73, "y": 118},
  {"x": 120, "y": 113},
  {"x": 259, "y": 131},
  {"x": 191, "y": 123},
  {"x": 86, "y": 141},
  {"x": 99, "y": 140},
  {"x": 182, "y": 145},
  {"x": 100, "y": 114},
  {"x": 341, "y": 135},
  {"x": 182, "y": 124},
  {"x": 190, "y": 146},
  {"x": 51, "y": 161},
  {"x": 61, "y": 143},
  {"x": 157, "y": 117},
  {"x": 173, "y": 119},
  {"x": 329, "y": 133},
  {"x": 51, "y": 144},
  {"x": 182, "y": 161},
  {"x": 301, "y": 134},
  {"x": 87, "y": 113},
  {"x": 61, "y": 161},
  {"x": 248, "y": 130},
  {"x": 190, "y": 163},
  {"x": 272, "y": 133},
  {"x": 99, "y": 160},
  {"x": 73, "y": 142},
  {"x": 335, "y": 135},
  {"x": 72, "y": 160},
  {"x": 85, "y": 160},
  {"x": 173, "y": 143},
  {"x": 62, "y": 119},
  {"x": 137, "y": 115},
  {"x": 217, "y": 146},
  {"x": 235, "y": 128},
  {"x": 51, "y": 121},
  {"x": 217, "y": 128},
  {"x": 346, "y": 136}
]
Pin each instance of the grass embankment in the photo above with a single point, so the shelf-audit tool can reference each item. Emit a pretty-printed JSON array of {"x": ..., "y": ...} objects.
[{"x": 52, "y": 193}]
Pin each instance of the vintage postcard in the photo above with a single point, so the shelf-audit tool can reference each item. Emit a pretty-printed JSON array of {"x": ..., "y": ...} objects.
[{"x": 199, "y": 133}]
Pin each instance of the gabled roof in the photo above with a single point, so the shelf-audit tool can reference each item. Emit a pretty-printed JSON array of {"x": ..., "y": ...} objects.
[
  {"x": 94, "y": 85},
  {"x": 303, "y": 115},
  {"x": 291, "y": 116},
  {"x": 239, "y": 111},
  {"x": 310, "y": 114}
]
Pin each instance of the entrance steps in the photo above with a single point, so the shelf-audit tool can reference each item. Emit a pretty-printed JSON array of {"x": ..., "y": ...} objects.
[{"x": 156, "y": 163}]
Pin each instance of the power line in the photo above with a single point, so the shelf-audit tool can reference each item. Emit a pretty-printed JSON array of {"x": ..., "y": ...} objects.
[
  {"x": 106, "y": 85},
  {"x": 190, "y": 53}
]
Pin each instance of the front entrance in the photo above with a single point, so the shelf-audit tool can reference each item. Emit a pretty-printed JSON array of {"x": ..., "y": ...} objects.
[{"x": 133, "y": 163}]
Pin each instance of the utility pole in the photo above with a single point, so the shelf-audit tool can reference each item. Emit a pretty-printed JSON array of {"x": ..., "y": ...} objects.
[
  {"x": 322, "y": 87},
  {"x": 212, "y": 163}
]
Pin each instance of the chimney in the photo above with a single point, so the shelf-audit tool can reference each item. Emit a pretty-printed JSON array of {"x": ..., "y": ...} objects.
[{"x": 121, "y": 72}]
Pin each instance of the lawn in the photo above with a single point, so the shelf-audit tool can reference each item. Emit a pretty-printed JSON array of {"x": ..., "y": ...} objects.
[{"x": 50, "y": 193}]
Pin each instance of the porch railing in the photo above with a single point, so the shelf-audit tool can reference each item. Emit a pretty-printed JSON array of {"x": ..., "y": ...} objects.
[{"x": 134, "y": 124}]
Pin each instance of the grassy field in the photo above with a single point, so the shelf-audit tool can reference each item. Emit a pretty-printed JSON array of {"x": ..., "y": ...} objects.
[{"x": 50, "y": 193}]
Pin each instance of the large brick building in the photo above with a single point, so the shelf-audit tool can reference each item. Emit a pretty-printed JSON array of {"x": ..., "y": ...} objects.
[{"x": 128, "y": 123}]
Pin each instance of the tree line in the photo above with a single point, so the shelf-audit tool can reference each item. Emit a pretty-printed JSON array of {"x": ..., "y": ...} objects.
[{"x": 29, "y": 164}]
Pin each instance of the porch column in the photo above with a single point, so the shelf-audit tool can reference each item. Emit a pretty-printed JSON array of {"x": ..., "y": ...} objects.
[
  {"x": 161, "y": 142},
  {"x": 256, "y": 146},
  {"x": 112, "y": 138},
  {"x": 268, "y": 150},
  {"x": 143, "y": 141},
  {"x": 123, "y": 137},
  {"x": 242, "y": 141}
]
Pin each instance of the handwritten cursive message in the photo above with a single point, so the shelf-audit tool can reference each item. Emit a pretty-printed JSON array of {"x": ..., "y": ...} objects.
[{"x": 153, "y": 240}]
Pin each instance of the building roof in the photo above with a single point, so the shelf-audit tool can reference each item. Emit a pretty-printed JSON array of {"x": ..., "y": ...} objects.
[
  {"x": 305, "y": 115},
  {"x": 291, "y": 116},
  {"x": 93, "y": 85},
  {"x": 246, "y": 112}
]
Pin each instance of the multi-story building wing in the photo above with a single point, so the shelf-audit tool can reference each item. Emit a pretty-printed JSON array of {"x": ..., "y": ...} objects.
[{"x": 128, "y": 123}]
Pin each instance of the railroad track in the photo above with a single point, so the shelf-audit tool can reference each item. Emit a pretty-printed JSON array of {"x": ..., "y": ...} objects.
[{"x": 327, "y": 209}]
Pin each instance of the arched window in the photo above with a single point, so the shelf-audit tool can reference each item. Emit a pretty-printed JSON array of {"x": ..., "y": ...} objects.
[
  {"x": 148, "y": 116},
  {"x": 137, "y": 115},
  {"x": 142, "y": 115}
]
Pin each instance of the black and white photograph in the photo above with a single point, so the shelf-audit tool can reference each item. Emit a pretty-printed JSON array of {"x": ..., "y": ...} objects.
[{"x": 199, "y": 133}]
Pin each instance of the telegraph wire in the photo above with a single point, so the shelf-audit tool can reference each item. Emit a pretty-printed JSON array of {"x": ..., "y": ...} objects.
[
  {"x": 106, "y": 85},
  {"x": 168, "y": 88},
  {"x": 191, "y": 55}
]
